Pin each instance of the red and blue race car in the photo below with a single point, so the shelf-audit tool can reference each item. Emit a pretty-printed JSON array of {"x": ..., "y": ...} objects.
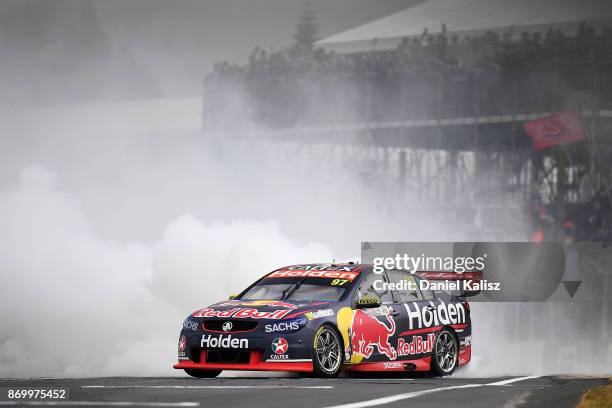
[{"x": 321, "y": 319}]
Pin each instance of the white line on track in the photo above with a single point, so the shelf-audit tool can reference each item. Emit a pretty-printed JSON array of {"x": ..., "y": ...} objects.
[
  {"x": 511, "y": 380},
  {"x": 229, "y": 387},
  {"x": 102, "y": 403},
  {"x": 407, "y": 395}
]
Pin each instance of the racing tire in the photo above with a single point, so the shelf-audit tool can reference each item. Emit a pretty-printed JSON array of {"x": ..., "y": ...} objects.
[
  {"x": 445, "y": 356},
  {"x": 194, "y": 372},
  {"x": 328, "y": 352}
]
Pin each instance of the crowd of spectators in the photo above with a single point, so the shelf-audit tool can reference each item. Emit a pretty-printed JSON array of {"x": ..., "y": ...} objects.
[
  {"x": 434, "y": 75},
  {"x": 431, "y": 76}
]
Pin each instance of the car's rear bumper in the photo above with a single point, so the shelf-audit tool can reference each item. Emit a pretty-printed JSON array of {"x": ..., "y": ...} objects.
[
  {"x": 256, "y": 363},
  {"x": 465, "y": 355}
]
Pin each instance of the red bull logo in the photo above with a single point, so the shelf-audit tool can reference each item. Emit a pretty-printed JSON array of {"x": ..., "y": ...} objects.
[
  {"x": 241, "y": 313},
  {"x": 367, "y": 332},
  {"x": 416, "y": 346}
]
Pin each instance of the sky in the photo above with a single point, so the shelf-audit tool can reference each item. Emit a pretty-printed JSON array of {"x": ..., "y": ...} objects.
[
  {"x": 180, "y": 40},
  {"x": 160, "y": 47}
]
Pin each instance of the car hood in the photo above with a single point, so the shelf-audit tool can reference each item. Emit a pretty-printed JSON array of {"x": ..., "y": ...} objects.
[{"x": 260, "y": 309}]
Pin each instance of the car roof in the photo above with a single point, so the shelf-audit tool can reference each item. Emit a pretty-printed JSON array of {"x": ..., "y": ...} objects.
[
  {"x": 346, "y": 266},
  {"x": 348, "y": 270}
]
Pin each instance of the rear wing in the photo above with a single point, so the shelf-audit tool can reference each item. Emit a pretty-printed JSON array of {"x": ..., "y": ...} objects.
[{"x": 469, "y": 279}]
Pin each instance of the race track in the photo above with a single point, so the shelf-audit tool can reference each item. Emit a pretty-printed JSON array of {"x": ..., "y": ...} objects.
[{"x": 425, "y": 392}]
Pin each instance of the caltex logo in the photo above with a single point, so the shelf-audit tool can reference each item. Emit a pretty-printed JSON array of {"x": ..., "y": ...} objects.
[{"x": 280, "y": 345}]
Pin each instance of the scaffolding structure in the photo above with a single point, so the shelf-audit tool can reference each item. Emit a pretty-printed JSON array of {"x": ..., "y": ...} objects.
[{"x": 465, "y": 148}]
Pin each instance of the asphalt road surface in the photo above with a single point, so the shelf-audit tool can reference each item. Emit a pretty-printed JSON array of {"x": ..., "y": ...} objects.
[{"x": 506, "y": 392}]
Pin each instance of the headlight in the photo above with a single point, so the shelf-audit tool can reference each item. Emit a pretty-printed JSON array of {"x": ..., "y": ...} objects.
[{"x": 286, "y": 326}]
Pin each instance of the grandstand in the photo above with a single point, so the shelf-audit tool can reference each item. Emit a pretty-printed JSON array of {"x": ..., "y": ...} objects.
[
  {"x": 450, "y": 112},
  {"x": 471, "y": 18}
]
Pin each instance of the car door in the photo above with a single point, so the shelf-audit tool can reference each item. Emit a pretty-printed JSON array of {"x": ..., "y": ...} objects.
[
  {"x": 373, "y": 329},
  {"x": 416, "y": 334}
]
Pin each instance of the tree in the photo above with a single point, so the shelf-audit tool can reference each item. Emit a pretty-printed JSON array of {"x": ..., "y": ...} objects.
[{"x": 307, "y": 28}]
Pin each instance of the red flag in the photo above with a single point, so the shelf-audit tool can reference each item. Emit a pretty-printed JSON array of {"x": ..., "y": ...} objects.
[{"x": 560, "y": 128}]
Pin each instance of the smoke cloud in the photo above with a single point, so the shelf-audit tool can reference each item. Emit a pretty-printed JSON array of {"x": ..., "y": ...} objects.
[
  {"x": 112, "y": 233},
  {"x": 74, "y": 304},
  {"x": 111, "y": 236}
]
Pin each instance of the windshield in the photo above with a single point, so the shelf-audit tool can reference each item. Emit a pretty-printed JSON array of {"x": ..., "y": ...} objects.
[
  {"x": 297, "y": 288},
  {"x": 268, "y": 292}
]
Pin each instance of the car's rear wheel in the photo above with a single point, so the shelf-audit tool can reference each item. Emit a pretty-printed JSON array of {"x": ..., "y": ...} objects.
[
  {"x": 446, "y": 352},
  {"x": 202, "y": 373},
  {"x": 327, "y": 352}
]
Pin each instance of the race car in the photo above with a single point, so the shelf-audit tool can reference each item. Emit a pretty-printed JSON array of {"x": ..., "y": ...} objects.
[{"x": 321, "y": 319}]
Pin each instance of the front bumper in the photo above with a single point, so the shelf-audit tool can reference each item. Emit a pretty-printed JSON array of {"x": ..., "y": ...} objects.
[
  {"x": 255, "y": 354},
  {"x": 256, "y": 363}
]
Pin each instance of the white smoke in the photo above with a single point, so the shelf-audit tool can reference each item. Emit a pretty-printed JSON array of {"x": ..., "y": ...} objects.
[
  {"x": 197, "y": 261},
  {"x": 115, "y": 235},
  {"x": 521, "y": 338},
  {"x": 74, "y": 304},
  {"x": 118, "y": 237}
]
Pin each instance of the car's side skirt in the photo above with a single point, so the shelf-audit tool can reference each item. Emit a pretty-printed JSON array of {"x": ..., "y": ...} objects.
[{"x": 421, "y": 364}]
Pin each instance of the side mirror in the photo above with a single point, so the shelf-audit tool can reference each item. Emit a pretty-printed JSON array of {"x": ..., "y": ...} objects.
[
  {"x": 368, "y": 302},
  {"x": 233, "y": 296}
]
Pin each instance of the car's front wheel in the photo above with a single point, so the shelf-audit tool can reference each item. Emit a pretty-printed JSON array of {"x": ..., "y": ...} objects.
[
  {"x": 202, "y": 373},
  {"x": 445, "y": 354},
  {"x": 327, "y": 353}
]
